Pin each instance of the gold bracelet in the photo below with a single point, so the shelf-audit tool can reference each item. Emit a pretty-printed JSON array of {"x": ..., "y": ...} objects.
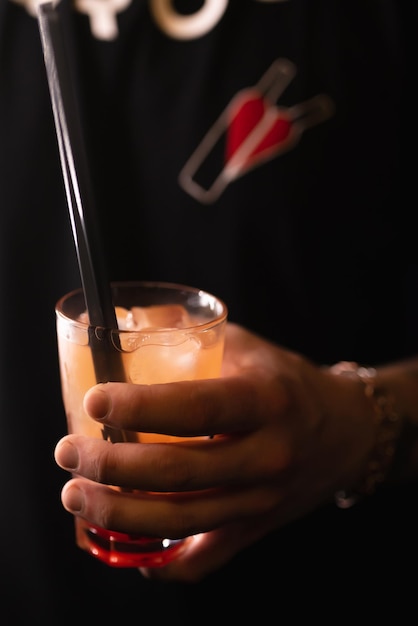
[{"x": 388, "y": 425}]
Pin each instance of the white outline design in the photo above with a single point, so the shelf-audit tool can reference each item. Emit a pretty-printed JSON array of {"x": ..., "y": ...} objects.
[
  {"x": 245, "y": 157},
  {"x": 103, "y": 16},
  {"x": 187, "y": 26}
]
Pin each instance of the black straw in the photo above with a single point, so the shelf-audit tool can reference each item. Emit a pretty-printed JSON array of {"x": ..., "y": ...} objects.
[{"x": 106, "y": 357}]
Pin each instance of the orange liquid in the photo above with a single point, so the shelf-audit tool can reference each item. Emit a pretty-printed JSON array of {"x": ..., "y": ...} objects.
[{"x": 149, "y": 356}]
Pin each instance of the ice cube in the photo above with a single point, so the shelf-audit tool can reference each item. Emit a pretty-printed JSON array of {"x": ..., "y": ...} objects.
[
  {"x": 165, "y": 316},
  {"x": 124, "y": 318},
  {"x": 160, "y": 316},
  {"x": 164, "y": 362}
]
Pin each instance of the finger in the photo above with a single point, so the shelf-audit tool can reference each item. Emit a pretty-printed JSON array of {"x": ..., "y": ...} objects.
[
  {"x": 183, "y": 466},
  {"x": 187, "y": 408},
  {"x": 167, "y": 515}
]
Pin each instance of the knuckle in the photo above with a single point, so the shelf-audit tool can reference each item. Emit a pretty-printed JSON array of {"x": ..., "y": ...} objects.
[
  {"x": 102, "y": 463},
  {"x": 104, "y": 515}
]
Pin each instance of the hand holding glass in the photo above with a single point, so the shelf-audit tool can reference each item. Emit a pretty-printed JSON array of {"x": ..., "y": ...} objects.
[{"x": 166, "y": 333}]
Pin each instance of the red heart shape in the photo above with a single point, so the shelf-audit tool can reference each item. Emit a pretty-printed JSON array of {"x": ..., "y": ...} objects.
[{"x": 252, "y": 115}]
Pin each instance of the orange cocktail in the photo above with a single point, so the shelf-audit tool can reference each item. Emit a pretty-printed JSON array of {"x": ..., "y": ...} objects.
[{"x": 165, "y": 333}]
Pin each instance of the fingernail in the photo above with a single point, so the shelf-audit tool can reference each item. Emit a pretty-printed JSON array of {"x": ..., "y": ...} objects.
[
  {"x": 66, "y": 456},
  {"x": 97, "y": 404},
  {"x": 72, "y": 499}
]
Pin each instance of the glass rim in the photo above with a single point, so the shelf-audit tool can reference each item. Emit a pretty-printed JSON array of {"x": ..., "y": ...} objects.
[{"x": 218, "y": 318}]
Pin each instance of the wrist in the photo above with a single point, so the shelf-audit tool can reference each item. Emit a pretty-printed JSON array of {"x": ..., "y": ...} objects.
[{"x": 387, "y": 431}]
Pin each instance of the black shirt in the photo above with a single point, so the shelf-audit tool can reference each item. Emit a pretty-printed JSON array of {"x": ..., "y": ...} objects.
[{"x": 267, "y": 149}]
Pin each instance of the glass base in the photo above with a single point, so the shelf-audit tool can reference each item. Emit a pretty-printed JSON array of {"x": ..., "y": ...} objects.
[{"x": 123, "y": 550}]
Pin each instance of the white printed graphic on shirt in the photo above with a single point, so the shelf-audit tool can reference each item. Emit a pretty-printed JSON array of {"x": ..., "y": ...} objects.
[
  {"x": 250, "y": 131},
  {"x": 31, "y": 6},
  {"x": 103, "y": 16},
  {"x": 187, "y": 26},
  {"x": 103, "y": 22}
]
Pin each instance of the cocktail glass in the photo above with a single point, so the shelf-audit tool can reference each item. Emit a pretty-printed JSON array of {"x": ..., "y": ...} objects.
[{"x": 166, "y": 333}]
